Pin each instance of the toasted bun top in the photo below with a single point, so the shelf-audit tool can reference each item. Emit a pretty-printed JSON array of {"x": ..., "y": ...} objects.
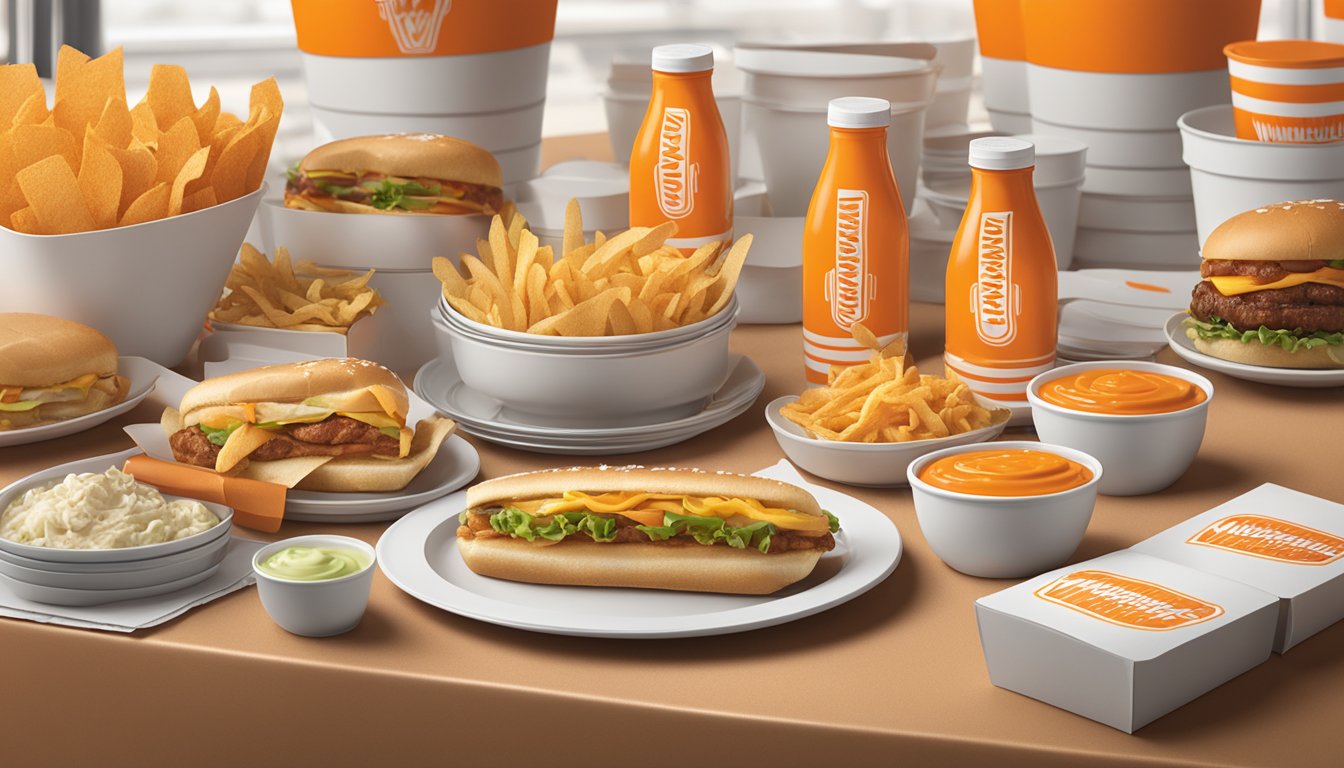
[
  {"x": 1304, "y": 230},
  {"x": 416, "y": 155},
  {"x": 41, "y": 350},
  {"x": 295, "y": 382},
  {"x": 549, "y": 483}
]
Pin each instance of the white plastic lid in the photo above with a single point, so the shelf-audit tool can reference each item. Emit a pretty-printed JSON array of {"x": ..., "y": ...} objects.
[
  {"x": 1001, "y": 153},
  {"x": 858, "y": 112},
  {"x": 683, "y": 57}
]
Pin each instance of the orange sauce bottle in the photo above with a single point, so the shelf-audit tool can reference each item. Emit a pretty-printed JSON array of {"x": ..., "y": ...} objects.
[
  {"x": 856, "y": 242},
  {"x": 1002, "y": 284},
  {"x": 679, "y": 168}
]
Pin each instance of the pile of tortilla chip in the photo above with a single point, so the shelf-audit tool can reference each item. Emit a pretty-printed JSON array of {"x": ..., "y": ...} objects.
[{"x": 93, "y": 162}]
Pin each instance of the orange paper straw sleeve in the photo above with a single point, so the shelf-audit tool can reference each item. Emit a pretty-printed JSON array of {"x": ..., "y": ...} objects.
[{"x": 256, "y": 505}]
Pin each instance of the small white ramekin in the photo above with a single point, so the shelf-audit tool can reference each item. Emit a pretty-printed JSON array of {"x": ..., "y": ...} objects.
[
  {"x": 1142, "y": 453},
  {"x": 315, "y": 608},
  {"x": 1002, "y": 537}
]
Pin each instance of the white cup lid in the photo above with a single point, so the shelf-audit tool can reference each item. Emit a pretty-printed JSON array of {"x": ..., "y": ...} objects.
[
  {"x": 1001, "y": 153},
  {"x": 683, "y": 57},
  {"x": 858, "y": 112}
]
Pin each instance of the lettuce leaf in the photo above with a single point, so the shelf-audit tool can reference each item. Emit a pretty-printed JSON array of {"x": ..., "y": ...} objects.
[
  {"x": 833, "y": 520},
  {"x": 389, "y": 194},
  {"x": 512, "y": 521},
  {"x": 1290, "y": 341},
  {"x": 711, "y": 530},
  {"x": 220, "y": 436},
  {"x": 1336, "y": 263},
  {"x": 21, "y": 405}
]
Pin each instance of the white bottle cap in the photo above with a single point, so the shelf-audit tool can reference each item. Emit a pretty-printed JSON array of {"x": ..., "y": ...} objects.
[
  {"x": 683, "y": 57},
  {"x": 1002, "y": 153},
  {"x": 858, "y": 112}
]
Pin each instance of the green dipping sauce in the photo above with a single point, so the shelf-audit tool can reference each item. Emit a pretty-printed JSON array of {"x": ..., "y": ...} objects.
[{"x": 314, "y": 563}]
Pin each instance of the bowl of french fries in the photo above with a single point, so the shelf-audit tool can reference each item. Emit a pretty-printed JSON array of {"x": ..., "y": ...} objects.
[
  {"x": 873, "y": 419},
  {"x": 619, "y": 331}
]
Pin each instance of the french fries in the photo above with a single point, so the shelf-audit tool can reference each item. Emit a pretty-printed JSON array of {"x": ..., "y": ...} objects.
[
  {"x": 886, "y": 400},
  {"x": 629, "y": 283},
  {"x": 304, "y": 297}
]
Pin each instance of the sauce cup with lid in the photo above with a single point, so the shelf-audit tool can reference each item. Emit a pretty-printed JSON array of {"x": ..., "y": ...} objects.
[
  {"x": 1143, "y": 421},
  {"x": 1027, "y": 527},
  {"x": 318, "y": 586}
]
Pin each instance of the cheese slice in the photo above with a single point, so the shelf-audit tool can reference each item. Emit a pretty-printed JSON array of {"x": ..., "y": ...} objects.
[
  {"x": 27, "y": 398},
  {"x": 648, "y": 508},
  {"x": 1235, "y": 285}
]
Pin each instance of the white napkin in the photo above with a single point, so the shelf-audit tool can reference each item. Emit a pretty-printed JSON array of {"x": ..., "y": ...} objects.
[{"x": 129, "y": 615}]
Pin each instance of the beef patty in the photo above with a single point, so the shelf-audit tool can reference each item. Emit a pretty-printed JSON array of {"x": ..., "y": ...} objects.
[
  {"x": 334, "y": 436},
  {"x": 1309, "y": 307}
]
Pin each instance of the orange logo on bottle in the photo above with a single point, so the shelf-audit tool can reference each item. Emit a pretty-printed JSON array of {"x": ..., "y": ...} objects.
[
  {"x": 994, "y": 296},
  {"x": 676, "y": 177},
  {"x": 1272, "y": 539},
  {"x": 415, "y": 24},
  {"x": 1127, "y": 602},
  {"x": 849, "y": 286}
]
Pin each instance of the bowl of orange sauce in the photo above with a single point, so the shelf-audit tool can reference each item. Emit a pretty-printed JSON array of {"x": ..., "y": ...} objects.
[
  {"x": 1006, "y": 509},
  {"x": 1143, "y": 421}
]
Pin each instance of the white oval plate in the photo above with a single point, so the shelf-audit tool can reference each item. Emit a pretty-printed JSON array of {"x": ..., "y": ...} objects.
[
  {"x": 144, "y": 375},
  {"x": 87, "y": 597},
  {"x": 1283, "y": 377},
  {"x": 419, "y": 555}
]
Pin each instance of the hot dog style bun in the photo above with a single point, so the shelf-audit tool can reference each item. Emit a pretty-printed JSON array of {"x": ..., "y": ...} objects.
[{"x": 652, "y": 528}]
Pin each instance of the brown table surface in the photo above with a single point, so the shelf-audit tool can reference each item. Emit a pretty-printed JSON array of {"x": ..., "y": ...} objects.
[{"x": 893, "y": 677}]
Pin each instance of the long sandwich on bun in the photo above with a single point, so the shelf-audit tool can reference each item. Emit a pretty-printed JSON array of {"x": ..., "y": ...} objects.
[
  {"x": 678, "y": 529},
  {"x": 398, "y": 173},
  {"x": 1273, "y": 287},
  {"x": 53, "y": 369}
]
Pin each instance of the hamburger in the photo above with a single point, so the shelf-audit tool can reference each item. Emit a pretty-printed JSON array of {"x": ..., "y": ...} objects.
[
  {"x": 53, "y": 369},
  {"x": 1273, "y": 287},
  {"x": 338, "y": 424},
  {"x": 399, "y": 173},
  {"x": 679, "y": 529}
]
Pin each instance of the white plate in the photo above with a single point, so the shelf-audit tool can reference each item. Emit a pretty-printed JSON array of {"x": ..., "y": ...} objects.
[
  {"x": 143, "y": 374},
  {"x": 1283, "y": 377},
  {"x": 419, "y": 555},
  {"x": 87, "y": 597}
]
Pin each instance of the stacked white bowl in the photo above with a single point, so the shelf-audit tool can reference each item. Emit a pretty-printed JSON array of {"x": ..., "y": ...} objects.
[
  {"x": 591, "y": 381},
  {"x": 956, "y": 77},
  {"x": 83, "y": 577}
]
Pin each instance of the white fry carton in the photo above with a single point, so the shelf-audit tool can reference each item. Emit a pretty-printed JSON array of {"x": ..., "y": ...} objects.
[
  {"x": 1125, "y": 638},
  {"x": 1282, "y": 541}
]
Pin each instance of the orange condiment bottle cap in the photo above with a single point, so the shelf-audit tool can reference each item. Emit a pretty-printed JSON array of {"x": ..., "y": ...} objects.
[
  {"x": 683, "y": 57},
  {"x": 1001, "y": 153},
  {"x": 858, "y": 112}
]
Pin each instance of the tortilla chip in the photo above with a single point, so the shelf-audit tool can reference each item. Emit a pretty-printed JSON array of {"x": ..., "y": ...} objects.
[
  {"x": 51, "y": 189},
  {"x": 150, "y": 206},
  {"x": 169, "y": 95},
  {"x": 100, "y": 181},
  {"x": 33, "y": 143},
  {"x": 191, "y": 170},
  {"x": 18, "y": 84},
  {"x": 84, "y": 85}
]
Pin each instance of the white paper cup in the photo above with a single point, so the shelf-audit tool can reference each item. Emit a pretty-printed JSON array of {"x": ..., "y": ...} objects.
[
  {"x": 1138, "y": 182},
  {"x": 1231, "y": 175},
  {"x": 1112, "y": 101},
  {"x": 1004, "y": 84},
  {"x": 1009, "y": 123},
  {"x": 771, "y": 287},
  {"x": 518, "y": 165},
  {"x": 1120, "y": 149},
  {"x": 316, "y": 608},
  {"x": 1141, "y": 453},
  {"x": 1136, "y": 250},
  {"x": 1002, "y": 537},
  {"x": 1136, "y": 214},
  {"x": 397, "y": 335},
  {"x": 495, "y": 131},
  {"x": 147, "y": 287},
  {"x": 930, "y": 249}
]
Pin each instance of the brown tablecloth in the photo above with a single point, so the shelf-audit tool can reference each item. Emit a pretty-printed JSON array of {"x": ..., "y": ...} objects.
[{"x": 895, "y": 677}]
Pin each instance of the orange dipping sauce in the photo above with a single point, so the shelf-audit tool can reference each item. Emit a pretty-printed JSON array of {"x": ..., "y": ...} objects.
[
  {"x": 1006, "y": 472},
  {"x": 1122, "y": 391}
]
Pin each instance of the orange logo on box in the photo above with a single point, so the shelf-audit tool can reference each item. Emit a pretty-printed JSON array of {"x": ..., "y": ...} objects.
[
  {"x": 1272, "y": 539},
  {"x": 1128, "y": 602},
  {"x": 677, "y": 177}
]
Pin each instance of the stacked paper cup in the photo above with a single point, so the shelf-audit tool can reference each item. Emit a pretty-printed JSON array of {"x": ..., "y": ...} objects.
[
  {"x": 1333, "y": 24},
  {"x": 1003, "y": 65},
  {"x": 456, "y": 67},
  {"x": 1116, "y": 75}
]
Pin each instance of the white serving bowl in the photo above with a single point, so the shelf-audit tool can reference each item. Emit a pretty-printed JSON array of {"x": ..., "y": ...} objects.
[
  {"x": 87, "y": 597},
  {"x": 1137, "y": 182},
  {"x": 1231, "y": 175},
  {"x": 1137, "y": 250},
  {"x": 202, "y": 559},
  {"x": 495, "y": 131},
  {"x": 577, "y": 389},
  {"x": 1136, "y": 214},
  {"x": 1120, "y": 149},
  {"x": 1141, "y": 453},
  {"x": 147, "y": 287},
  {"x": 315, "y": 608},
  {"x": 1002, "y": 537},
  {"x": 873, "y": 465},
  {"x": 1118, "y": 102}
]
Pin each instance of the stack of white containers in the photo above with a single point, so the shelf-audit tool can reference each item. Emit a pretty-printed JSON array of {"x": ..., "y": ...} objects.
[
  {"x": 1116, "y": 75},
  {"x": 1003, "y": 66}
]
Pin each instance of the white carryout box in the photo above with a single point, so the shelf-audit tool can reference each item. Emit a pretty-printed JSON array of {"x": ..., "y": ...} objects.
[
  {"x": 1125, "y": 638},
  {"x": 1282, "y": 541}
]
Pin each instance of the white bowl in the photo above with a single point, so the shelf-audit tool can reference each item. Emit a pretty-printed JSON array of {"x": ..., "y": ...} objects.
[
  {"x": 1001, "y": 537},
  {"x": 147, "y": 287},
  {"x": 495, "y": 131},
  {"x": 1009, "y": 123},
  {"x": 1117, "y": 102},
  {"x": 575, "y": 389},
  {"x": 209, "y": 555},
  {"x": 1141, "y": 453},
  {"x": 1232, "y": 175},
  {"x": 315, "y": 608},
  {"x": 1137, "y": 250},
  {"x": 1121, "y": 149},
  {"x": 1137, "y": 182},
  {"x": 874, "y": 465},
  {"x": 1136, "y": 214}
]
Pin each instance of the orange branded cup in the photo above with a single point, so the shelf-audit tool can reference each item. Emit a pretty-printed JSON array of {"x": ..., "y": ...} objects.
[
  {"x": 1287, "y": 91},
  {"x": 856, "y": 242},
  {"x": 1002, "y": 290},
  {"x": 389, "y": 28},
  {"x": 1127, "y": 602},
  {"x": 998, "y": 27},
  {"x": 679, "y": 167}
]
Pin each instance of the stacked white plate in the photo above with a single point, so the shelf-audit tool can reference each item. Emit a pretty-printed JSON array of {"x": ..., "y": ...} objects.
[{"x": 83, "y": 577}]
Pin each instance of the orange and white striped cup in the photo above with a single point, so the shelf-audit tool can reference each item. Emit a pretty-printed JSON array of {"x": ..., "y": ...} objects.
[{"x": 1287, "y": 91}]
